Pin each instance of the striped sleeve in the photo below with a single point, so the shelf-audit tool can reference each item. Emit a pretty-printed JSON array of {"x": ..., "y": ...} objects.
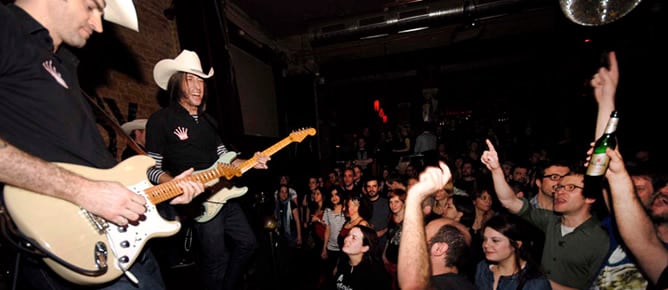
[
  {"x": 156, "y": 171},
  {"x": 221, "y": 150}
]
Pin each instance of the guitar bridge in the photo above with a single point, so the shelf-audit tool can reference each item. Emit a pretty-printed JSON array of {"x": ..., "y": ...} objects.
[{"x": 97, "y": 222}]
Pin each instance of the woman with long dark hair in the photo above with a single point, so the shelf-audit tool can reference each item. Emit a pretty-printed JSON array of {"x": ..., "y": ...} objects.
[
  {"x": 508, "y": 264},
  {"x": 333, "y": 218}
]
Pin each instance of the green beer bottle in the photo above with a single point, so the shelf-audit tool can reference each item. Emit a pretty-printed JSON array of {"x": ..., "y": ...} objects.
[{"x": 598, "y": 163}]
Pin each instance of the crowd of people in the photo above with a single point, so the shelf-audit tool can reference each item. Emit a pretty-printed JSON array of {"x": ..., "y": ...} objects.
[
  {"x": 412, "y": 216},
  {"x": 489, "y": 223}
]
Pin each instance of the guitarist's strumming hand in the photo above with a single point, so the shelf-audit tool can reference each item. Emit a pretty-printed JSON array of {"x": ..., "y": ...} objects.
[
  {"x": 110, "y": 200},
  {"x": 190, "y": 188}
]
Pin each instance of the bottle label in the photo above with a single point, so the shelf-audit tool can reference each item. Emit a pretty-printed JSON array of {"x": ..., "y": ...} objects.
[{"x": 598, "y": 164}]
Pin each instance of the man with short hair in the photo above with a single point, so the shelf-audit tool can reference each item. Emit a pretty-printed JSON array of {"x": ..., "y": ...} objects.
[
  {"x": 348, "y": 187},
  {"x": 520, "y": 173},
  {"x": 575, "y": 244},
  {"x": 45, "y": 117},
  {"x": 643, "y": 181},
  {"x": 380, "y": 214},
  {"x": 547, "y": 178},
  {"x": 416, "y": 250},
  {"x": 448, "y": 245},
  {"x": 136, "y": 130}
]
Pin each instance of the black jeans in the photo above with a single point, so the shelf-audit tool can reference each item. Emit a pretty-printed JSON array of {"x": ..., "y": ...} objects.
[
  {"x": 34, "y": 274},
  {"x": 222, "y": 265}
]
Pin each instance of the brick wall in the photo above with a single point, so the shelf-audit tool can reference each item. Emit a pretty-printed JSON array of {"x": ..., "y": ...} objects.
[{"x": 157, "y": 39}]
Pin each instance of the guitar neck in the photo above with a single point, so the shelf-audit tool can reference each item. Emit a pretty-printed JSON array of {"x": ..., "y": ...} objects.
[
  {"x": 165, "y": 191},
  {"x": 250, "y": 163},
  {"x": 170, "y": 189}
]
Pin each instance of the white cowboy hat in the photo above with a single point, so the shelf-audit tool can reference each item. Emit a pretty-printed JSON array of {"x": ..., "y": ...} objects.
[
  {"x": 136, "y": 124},
  {"x": 187, "y": 61},
  {"x": 121, "y": 12}
]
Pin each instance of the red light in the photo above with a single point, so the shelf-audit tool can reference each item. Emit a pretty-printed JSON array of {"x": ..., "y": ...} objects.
[
  {"x": 587, "y": 40},
  {"x": 376, "y": 105}
]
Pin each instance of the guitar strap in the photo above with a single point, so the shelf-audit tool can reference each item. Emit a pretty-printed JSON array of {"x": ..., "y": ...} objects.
[{"x": 117, "y": 128}]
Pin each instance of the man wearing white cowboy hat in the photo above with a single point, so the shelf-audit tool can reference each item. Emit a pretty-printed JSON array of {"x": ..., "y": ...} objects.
[
  {"x": 181, "y": 136},
  {"x": 136, "y": 129},
  {"x": 44, "y": 118}
]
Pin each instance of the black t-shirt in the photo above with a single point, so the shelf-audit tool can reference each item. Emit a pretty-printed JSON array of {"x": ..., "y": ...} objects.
[
  {"x": 366, "y": 275},
  {"x": 181, "y": 141},
  {"x": 451, "y": 281},
  {"x": 42, "y": 109},
  {"x": 393, "y": 239}
]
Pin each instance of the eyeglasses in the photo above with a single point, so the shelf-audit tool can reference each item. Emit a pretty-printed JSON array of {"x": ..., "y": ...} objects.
[
  {"x": 554, "y": 177},
  {"x": 567, "y": 187}
]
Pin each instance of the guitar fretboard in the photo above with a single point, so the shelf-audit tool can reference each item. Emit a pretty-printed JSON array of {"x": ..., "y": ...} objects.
[
  {"x": 167, "y": 190},
  {"x": 250, "y": 163}
]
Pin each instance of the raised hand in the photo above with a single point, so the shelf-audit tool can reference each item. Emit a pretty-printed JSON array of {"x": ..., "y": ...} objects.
[
  {"x": 490, "y": 157},
  {"x": 431, "y": 180},
  {"x": 605, "y": 82}
]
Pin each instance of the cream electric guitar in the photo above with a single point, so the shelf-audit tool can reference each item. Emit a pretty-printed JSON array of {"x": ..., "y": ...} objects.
[
  {"x": 215, "y": 202},
  {"x": 84, "y": 248}
]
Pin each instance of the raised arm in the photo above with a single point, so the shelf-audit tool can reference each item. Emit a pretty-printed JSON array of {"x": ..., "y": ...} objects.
[
  {"x": 604, "y": 83},
  {"x": 503, "y": 190},
  {"x": 635, "y": 227},
  {"x": 413, "y": 268}
]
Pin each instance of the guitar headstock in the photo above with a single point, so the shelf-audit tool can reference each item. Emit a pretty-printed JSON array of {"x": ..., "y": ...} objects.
[
  {"x": 228, "y": 171},
  {"x": 298, "y": 136}
]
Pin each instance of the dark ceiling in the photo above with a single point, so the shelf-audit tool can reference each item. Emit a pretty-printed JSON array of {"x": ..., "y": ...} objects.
[
  {"x": 289, "y": 17},
  {"x": 315, "y": 33},
  {"x": 520, "y": 56},
  {"x": 323, "y": 23}
]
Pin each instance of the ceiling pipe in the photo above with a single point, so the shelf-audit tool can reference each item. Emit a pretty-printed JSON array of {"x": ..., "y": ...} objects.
[{"x": 421, "y": 14}]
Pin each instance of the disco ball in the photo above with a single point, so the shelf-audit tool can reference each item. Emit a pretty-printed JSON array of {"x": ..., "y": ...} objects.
[{"x": 596, "y": 12}]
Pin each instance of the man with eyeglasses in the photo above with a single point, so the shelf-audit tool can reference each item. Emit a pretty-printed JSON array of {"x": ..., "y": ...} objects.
[
  {"x": 550, "y": 174},
  {"x": 575, "y": 244}
]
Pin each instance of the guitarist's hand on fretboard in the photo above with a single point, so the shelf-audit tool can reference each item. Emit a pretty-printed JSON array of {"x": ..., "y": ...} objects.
[
  {"x": 191, "y": 188},
  {"x": 261, "y": 160}
]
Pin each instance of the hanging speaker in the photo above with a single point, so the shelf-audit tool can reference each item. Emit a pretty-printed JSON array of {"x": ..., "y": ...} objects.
[{"x": 596, "y": 12}]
